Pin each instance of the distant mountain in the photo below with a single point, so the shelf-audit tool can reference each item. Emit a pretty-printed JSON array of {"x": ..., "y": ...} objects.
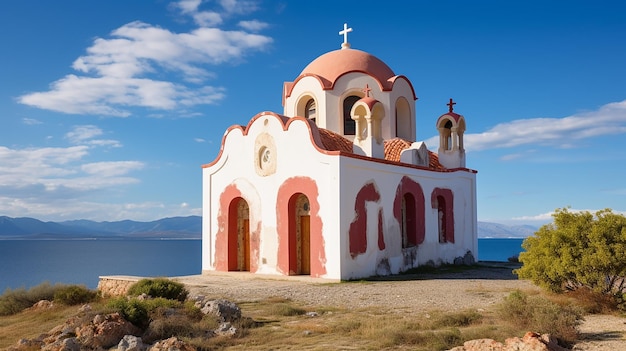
[
  {"x": 175, "y": 227},
  {"x": 497, "y": 230},
  {"x": 30, "y": 228}
]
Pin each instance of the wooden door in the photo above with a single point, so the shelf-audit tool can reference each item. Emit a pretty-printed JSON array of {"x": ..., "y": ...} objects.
[
  {"x": 246, "y": 245},
  {"x": 305, "y": 245}
]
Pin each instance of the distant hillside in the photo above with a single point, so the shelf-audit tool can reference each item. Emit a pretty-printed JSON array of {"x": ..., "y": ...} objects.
[
  {"x": 175, "y": 227},
  {"x": 497, "y": 230},
  {"x": 30, "y": 228}
]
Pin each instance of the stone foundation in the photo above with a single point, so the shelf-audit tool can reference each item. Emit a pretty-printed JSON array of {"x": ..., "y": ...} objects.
[{"x": 115, "y": 285}]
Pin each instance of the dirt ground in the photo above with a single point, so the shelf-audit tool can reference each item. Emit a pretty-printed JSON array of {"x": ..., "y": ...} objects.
[{"x": 416, "y": 294}]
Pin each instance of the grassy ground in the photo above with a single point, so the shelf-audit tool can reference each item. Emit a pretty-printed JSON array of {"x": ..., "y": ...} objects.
[{"x": 282, "y": 324}]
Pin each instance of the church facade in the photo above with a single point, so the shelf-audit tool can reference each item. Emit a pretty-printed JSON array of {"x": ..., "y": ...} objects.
[{"x": 337, "y": 186}]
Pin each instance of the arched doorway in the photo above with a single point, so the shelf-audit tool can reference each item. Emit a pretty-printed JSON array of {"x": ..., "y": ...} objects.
[
  {"x": 300, "y": 235},
  {"x": 239, "y": 236}
]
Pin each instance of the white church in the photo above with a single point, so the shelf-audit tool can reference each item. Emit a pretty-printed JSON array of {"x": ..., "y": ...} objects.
[{"x": 337, "y": 186}]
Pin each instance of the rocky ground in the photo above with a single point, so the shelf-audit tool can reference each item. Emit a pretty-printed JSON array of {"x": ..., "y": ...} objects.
[{"x": 415, "y": 294}]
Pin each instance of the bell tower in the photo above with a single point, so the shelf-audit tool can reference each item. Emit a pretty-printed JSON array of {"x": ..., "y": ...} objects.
[{"x": 451, "y": 127}]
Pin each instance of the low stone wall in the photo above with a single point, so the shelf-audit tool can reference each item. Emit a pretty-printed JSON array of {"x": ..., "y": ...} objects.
[{"x": 115, "y": 285}]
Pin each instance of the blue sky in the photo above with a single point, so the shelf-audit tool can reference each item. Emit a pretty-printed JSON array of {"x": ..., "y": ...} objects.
[{"x": 108, "y": 109}]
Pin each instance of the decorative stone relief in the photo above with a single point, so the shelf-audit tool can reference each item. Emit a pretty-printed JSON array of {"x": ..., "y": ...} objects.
[{"x": 265, "y": 155}]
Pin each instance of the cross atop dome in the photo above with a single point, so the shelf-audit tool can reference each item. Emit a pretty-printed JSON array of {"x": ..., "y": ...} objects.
[
  {"x": 344, "y": 32},
  {"x": 451, "y": 105}
]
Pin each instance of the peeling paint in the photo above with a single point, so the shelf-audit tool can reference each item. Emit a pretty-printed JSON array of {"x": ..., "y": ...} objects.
[
  {"x": 226, "y": 240},
  {"x": 286, "y": 209},
  {"x": 418, "y": 229},
  {"x": 381, "y": 234},
  {"x": 446, "y": 225},
  {"x": 358, "y": 227}
]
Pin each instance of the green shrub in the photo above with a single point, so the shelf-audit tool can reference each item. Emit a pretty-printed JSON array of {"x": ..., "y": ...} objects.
[
  {"x": 578, "y": 250},
  {"x": 139, "y": 312},
  {"x": 159, "y": 287},
  {"x": 538, "y": 314},
  {"x": 15, "y": 301},
  {"x": 74, "y": 295},
  {"x": 132, "y": 310}
]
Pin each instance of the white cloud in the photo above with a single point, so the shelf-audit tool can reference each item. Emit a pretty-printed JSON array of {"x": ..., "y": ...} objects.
[
  {"x": 84, "y": 135},
  {"x": 240, "y": 7},
  {"x": 127, "y": 69},
  {"x": 31, "y": 121},
  {"x": 111, "y": 169},
  {"x": 38, "y": 182},
  {"x": 557, "y": 132},
  {"x": 253, "y": 26}
]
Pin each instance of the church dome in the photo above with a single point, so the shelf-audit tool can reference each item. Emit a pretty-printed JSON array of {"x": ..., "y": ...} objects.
[{"x": 332, "y": 65}]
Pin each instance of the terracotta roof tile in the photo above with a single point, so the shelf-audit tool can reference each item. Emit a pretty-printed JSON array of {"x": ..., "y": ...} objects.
[
  {"x": 335, "y": 142},
  {"x": 393, "y": 147}
]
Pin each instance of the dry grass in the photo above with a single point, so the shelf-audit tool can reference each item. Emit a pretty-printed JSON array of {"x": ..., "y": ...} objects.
[
  {"x": 30, "y": 324},
  {"x": 278, "y": 323}
]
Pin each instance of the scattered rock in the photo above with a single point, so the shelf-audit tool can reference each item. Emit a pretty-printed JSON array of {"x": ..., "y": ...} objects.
[
  {"x": 131, "y": 343},
  {"x": 171, "y": 344},
  {"x": 226, "y": 311},
  {"x": 105, "y": 331},
  {"x": 85, "y": 308},
  {"x": 42, "y": 305},
  {"x": 530, "y": 342},
  {"x": 225, "y": 329},
  {"x": 312, "y": 314}
]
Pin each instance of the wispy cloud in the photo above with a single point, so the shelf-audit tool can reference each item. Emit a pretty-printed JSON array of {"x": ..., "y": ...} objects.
[
  {"x": 41, "y": 182},
  {"x": 31, "y": 121},
  {"x": 253, "y": 25},
  {"x": 126, "y": 70},
  {"x": 557, "y": 132},
  {"x": 84, "y": 135},
  {"x": 564, "y": 132}
]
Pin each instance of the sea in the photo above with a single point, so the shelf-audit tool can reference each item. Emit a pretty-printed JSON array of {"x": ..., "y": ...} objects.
[{"x": 27, "y": 263}]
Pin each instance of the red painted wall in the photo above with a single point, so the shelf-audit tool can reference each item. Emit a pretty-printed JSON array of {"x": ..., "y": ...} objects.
[
  {"x": 284, "y": 211},
  {"x": 407, "y": 185},
  {"x": 358, "y": 227},
  {"x": 448, "y": 209},
  {"x": 226, "y": 245}
]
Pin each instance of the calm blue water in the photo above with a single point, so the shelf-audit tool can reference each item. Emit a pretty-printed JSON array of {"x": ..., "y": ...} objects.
[{"x": 26, "y": 263}]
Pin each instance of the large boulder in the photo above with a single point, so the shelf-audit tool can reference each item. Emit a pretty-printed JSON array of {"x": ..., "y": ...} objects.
[{"x": 105, "y": 331}]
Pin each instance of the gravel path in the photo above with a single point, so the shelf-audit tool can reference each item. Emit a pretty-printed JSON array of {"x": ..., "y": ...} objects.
[{"x": 445, "y": 291}]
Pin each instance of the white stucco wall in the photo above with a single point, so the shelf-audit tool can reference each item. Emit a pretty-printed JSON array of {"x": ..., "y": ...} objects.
[{"x": 338, "y": 180}]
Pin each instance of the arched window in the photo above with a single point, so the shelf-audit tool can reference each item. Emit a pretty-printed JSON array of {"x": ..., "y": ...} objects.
[
  {"x": 447, "y": 135},
  {"x": 404, "y": 126},
  {"x": 310, "y": 110},
  {"x": 442, "y": 201},
  {"x": 409, "y": 222},
  {"x": 349, "y": 125}
]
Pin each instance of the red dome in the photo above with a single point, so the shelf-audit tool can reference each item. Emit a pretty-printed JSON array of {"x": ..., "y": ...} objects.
[{"x": 334, "y": 64}]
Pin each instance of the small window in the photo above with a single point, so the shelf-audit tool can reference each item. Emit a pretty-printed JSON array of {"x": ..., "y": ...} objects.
[
  {"x": 349, "y": 125},
  {"x": 310, "y": 111}
]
